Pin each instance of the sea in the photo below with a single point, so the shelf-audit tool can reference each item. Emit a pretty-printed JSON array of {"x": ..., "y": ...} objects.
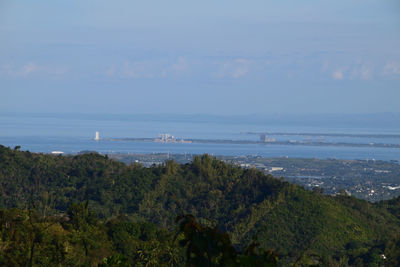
[{"x": 74, "y": 133}]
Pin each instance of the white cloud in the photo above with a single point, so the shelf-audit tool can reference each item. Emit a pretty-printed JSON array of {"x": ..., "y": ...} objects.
[
  {"x": 356, "y": 71},
  {"x": 338, "y": 75},
  {"x": 235, "y": 68},
  {"x": 138, "y": 69},
  {"x": 147, "y": 69},
  {"x": 133, "y": 69},
  {"x": 363, "y": 72},
  {"x": 181, "y": 65},
  {"x": 128, "y": 70},
  {"x": 177, "y": 68},
  {"x": 30, "y": 69},
  {"x": 392, "y": 68}
]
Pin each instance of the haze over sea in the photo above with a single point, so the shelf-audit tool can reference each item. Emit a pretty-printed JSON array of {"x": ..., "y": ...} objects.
[{"x": 72, "y": 133}]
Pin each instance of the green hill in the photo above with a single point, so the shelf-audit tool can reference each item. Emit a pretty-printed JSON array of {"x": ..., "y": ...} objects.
[{"x": 245, "y": 203}]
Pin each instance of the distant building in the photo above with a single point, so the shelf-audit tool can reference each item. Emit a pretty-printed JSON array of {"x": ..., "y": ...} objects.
[
  {"x": 275, "y": 169},
  {"x": 265, "y": 139},
  {"x": 167, "y": 138},
  {"x": 57, "y": 152},
  {"x": 97, "y": 136}
]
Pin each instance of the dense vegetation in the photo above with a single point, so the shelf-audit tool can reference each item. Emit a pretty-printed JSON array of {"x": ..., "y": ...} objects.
[
  {"x": 77, "y": 210},
  {"x": 372, "y": 180}
]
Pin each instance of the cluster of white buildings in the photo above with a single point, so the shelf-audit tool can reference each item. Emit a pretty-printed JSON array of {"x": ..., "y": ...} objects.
[{"x": 167, "y": 138}]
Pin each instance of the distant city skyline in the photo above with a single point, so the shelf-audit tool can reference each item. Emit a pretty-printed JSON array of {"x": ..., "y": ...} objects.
[{"x": 210, "y": 57}]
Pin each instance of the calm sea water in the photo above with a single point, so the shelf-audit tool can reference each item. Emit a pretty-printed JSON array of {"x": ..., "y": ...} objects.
[{"x": 72, "y": 134}]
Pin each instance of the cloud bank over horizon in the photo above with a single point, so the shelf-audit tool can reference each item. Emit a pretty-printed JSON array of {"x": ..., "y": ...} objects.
[{"x": 215, "y": 58}]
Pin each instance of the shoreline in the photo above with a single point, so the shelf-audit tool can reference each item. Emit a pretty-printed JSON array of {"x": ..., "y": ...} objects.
[{"x": 247, "y": 142}]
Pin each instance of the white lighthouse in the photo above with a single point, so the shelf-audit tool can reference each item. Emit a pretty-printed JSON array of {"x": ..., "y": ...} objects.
[{"x": 97, "y": 136}]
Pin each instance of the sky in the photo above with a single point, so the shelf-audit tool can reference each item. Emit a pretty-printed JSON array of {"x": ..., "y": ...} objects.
[{"x": 221, "y": 57}]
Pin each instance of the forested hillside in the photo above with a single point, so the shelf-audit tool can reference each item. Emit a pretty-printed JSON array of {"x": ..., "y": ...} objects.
[{"x": 88, "y": 208}]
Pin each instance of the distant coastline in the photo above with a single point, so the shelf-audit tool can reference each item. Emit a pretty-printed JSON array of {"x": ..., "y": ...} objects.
[
  {"x": 241, "y": 142},
  {"x": 327, "y": 134}
]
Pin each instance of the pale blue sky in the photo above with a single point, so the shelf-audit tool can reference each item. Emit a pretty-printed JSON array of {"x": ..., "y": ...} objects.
[{"x": 213, "y": 57}]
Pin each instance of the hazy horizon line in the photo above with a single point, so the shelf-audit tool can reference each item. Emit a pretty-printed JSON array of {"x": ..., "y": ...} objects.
[{"x": 201, "y": 114}]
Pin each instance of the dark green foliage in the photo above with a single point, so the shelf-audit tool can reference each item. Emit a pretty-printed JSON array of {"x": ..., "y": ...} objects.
[
  {"x": 392, "y": 206},
  {"x": 207, "y": 246},
  {"x": 28, "y": 239},
  {"x": 142, "y": 242},
  {"x": 121, "y": 214}
]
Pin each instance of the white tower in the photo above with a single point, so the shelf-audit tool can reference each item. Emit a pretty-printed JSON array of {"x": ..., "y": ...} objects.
[{"x": 97, "y": 136}]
